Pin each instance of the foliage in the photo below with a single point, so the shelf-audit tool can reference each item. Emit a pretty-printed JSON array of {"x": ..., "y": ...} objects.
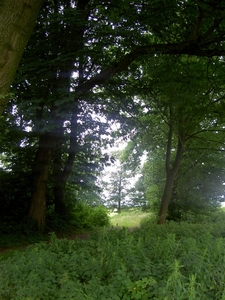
[
  {"x": 15, "y": 190},
  {"x": 19, "y": 233},
  {"x": 178, "y": 118},
  {"x": 174, "y": 261},
  {"x": 118, "y": 184},
  {"x": 153, "y": 178},
  {"x": 48, "y": 103},
  {"x": 80, "y": 216},
  {"x": 115, "y": 189},
  {"x": 115, "y": 69},
  {"x": 198, "y": 187},
  {"x": 87, "y": 217}
]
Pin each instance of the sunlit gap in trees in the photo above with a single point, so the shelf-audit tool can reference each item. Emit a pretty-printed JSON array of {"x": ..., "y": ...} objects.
[{"x": 115, "y": 177}]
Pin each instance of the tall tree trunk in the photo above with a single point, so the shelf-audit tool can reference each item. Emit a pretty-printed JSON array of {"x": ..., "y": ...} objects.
[
  {"x": 61, "y": 175},
  {"x": 171, "y": 172},
  {"x": 61, "y": 85},
  {"x": 166, "y": 196},
  {"x": 119, "y": 195},
  {"x": 59, "y": 188},
  {"x": 17, "y": 19},
  {"x": 40, "y": 177},
  {"x": 170, "y": 178},
  {"x": 60, "y": 200}
]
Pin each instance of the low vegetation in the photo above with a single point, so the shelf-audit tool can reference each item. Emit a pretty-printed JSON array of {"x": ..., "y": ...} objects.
[
  {"x": 82, "y": 218},
  {"x": 174, "y": 261}
]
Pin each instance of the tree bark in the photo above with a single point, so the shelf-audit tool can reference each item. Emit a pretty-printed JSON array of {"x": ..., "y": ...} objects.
[
  {"x": 59, "y": 200},
  {"x": 49, "y": 145},
  {"x": 58, "y": 186},
  {"x": 170, "y": 175},
  {"x": 119, "y": 195},
  {"x": 40, "y": 177},
  {"x": 17, "y": 19},
  {"x": 61, "y": 174},
  {"x": 165, "y": 200}
]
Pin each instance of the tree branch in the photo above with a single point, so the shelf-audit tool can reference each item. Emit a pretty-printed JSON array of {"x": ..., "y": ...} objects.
[
  {"x": 198, "y": 23},
  {"x": 205, "y": 130},
  {"x": 188, "y": 48},
  {"x": 211, "y": 29},
  {"x": 205, "y": 148}
]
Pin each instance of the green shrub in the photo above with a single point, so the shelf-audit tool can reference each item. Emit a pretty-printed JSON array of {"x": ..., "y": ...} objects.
[
  {"x": 18, "y": 233},
  {"x": 99, "y": 216},
  {"x": 55, "y": 222},
  {"x": 81, "y": 216},
  {"x": 87, "y": 217},
  {"x": 15, "y": 192}
]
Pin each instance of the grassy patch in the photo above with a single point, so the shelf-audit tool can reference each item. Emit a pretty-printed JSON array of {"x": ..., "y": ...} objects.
[{"x": 128, "y": 218}]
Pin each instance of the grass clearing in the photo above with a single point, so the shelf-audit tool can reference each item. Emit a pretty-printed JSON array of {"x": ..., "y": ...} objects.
[{"x": 128, "y": 218}]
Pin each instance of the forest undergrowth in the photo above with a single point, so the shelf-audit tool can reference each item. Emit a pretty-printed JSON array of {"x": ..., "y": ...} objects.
[{"x": 174, "y": 261}]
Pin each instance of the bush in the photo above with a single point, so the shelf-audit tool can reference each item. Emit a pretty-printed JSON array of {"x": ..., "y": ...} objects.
[
  {"x": 25, "y": 227},
  {"x": 99, "y": 216},
  {"x": 58, "y": 223},
  {"x": 19, "y": 233},
  {"x": 87, "y": 217},
  {"x": 15, "y": 192}
]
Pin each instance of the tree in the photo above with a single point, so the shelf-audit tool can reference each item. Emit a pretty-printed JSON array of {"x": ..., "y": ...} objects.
[
  {"x": 114, "y": 183},
  {"x": 137, "y": 195},
  {"x": 52, "y": 43},
  {"x": 188, "y": 124},
  {"x": 103, "y": 49},
  {"x": 17, "y": 20},
  {"x": 197, "y": 30},
  {"x": 176, "y": 105},
  {"x": 153, "y": 177},
  {"x": 198, "y": 189},
  {"x": 198, "y": 186}
]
